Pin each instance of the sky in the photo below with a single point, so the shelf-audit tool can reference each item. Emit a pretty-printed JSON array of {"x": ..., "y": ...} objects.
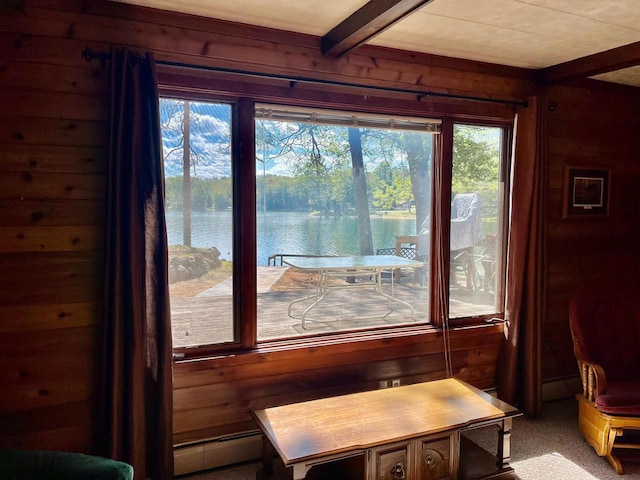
[{"x": 210, "y": 129}]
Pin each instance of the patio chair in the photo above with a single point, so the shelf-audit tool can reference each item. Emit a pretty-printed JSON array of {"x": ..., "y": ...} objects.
[{"x": 605, "y": 326}]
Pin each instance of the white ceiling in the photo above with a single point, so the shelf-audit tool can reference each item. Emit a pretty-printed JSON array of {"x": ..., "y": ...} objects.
[{"x": 522, "y": 33}]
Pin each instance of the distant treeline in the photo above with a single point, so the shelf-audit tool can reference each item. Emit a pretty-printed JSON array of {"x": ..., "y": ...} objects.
[{"x": 387, "y": 189}]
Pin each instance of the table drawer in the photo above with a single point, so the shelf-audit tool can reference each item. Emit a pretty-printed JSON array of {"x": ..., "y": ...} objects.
[
  {"x": 391, "y": 462},
  {"x": 437, "y": 458}
]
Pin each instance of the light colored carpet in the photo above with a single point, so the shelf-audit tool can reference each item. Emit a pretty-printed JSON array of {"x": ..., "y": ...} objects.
[{"x": 546, "y": 448}]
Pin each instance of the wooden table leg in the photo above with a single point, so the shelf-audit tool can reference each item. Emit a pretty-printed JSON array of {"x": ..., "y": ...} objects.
[
  {"x": 504, "y": 443},
  {"x": 268, "y": 452}
]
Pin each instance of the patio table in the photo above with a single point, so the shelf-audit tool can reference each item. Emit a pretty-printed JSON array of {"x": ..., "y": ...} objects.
[{"x": 353, "y": 266}]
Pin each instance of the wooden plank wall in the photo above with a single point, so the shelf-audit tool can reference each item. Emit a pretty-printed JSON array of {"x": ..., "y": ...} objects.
[
  {"x": 53, "y": 137},
  {"x": 597, "y": 127},
  {"x": 53, "y": 148},
  {"x": 213, "y": 397}
]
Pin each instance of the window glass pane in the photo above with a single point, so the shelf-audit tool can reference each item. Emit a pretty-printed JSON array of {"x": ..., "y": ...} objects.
[
  {"x": 476, "y": 211},
  {"x": 196, "y": 139},
  {"x": 324, "y": 192}
]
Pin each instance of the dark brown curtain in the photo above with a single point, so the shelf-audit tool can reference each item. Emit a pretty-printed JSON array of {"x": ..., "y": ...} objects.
[
  {"x": 137, "y": 329},
  {"x": 519, "y": 380}
]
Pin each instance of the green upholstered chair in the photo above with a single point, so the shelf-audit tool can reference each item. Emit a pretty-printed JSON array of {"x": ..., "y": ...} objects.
[{"x": 45, "y": 465}]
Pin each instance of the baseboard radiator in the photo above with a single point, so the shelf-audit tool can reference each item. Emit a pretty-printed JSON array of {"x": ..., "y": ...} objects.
[{"x": 218, "y": 452}]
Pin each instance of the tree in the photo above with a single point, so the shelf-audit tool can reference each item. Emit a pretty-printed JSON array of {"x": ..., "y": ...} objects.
[
  {"x": 196, "y": 142},
  {"x": 397, "y": 148},
  {"x": 186, "y": 173},
  {"x": 176, "y": 123},
  {"x": 476, "y": 163},
  {"x": 360, "y": 189},
  {"x": 389, "y": 195},
  {"x": 418, "y": 149}
]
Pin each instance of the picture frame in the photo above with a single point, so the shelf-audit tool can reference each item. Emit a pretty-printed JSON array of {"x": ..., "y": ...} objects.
[{"x": 586, "y": 192}]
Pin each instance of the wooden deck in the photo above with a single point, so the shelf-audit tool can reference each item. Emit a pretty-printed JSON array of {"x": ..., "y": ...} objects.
[{"x": 207, "y": 319}]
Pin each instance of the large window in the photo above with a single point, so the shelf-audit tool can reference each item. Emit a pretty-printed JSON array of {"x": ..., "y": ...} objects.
[
  {"x": 334, "y": 184},
  {"x": 196, "y": 139},
  {"x": 290, "y": 222}
]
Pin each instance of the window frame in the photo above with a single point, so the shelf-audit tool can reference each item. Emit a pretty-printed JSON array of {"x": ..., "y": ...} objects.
[
  {"x": 196, "y": 86},
  {"x": 506, "y": 147}
]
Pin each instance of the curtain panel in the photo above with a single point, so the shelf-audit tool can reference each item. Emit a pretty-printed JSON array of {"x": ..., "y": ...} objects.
[
  {"x": 519, "y": 381},
  {"x": 137, "y": 381}
]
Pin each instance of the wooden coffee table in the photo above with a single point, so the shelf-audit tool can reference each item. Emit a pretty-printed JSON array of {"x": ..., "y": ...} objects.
[{"x": 410, "y": 432}]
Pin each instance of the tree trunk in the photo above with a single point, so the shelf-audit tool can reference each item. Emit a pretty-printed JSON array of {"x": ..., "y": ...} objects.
[
  {"x": 360, "y": 189},
  {"x": 186, "y": 177},
  {"x": 418, "y": 157}
]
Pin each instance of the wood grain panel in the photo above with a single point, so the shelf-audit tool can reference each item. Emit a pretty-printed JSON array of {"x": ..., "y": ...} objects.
[
  {"x": 28, "y": 212},
  {"x": 67, "y": 427},
  {"x": 291, "y": 359},
  {"x": 67, "y": 186},
  {"x": 78, "y": 437},
  {"x": 91, "y": 79},
  {"x": 53, "y": 159},
  {"x": 81, "y": 340},
  {"x": 59, "y": 105},
  {"x": 24, "y": 396},
  {"x": 31, "y": 318},
  {"x": 54, "y": 132},
  {"x": 31, "y": 371},
  {"x": 51, "y": 239},
  {"x": 50, "y": 278},
  {"x": 60, "y": 51},
  {"x": 54, "y": 129},
  {"x": 352, "y": 377}
]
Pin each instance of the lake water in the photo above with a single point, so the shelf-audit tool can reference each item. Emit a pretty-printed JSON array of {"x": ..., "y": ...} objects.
[{"x": 290, "y": 233}]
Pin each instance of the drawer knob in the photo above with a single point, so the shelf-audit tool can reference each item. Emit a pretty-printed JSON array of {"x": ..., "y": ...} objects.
[{"x": 398, "y": 470}]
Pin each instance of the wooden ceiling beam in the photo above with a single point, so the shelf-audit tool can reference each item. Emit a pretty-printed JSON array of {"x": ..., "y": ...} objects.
[
  {"x": 603, "y": 62},
  {"x": 370, "y": 20}
]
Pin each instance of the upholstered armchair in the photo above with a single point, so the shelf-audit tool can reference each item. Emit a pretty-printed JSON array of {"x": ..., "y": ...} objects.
[
  {"x": 51, "y": 465},
  {"x": 605, "y": 326}
]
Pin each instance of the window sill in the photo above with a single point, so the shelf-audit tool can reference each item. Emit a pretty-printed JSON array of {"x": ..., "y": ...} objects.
[{"x": 348, "y": 340}]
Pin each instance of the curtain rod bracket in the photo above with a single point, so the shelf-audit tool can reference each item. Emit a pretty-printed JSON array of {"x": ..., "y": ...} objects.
[{"x": 90, "y": 55}]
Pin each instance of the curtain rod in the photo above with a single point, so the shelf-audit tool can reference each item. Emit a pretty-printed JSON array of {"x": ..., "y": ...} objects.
[{"x": 90, "y": 55}]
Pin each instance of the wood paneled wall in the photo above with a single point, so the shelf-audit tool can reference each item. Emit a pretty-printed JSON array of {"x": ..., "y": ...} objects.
[
  {"x": 213, "y": 397},
  {"x": 53, "y": 138},
  {"x": 596, "y": 127},
  {"x": 53, "y": 149}
]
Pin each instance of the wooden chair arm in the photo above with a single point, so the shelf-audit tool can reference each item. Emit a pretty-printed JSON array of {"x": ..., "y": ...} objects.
[{"x": 594, "y": 380}]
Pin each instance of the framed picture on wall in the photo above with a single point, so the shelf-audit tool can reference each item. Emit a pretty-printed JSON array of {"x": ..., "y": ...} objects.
[{"x": 586, "y": 192}]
